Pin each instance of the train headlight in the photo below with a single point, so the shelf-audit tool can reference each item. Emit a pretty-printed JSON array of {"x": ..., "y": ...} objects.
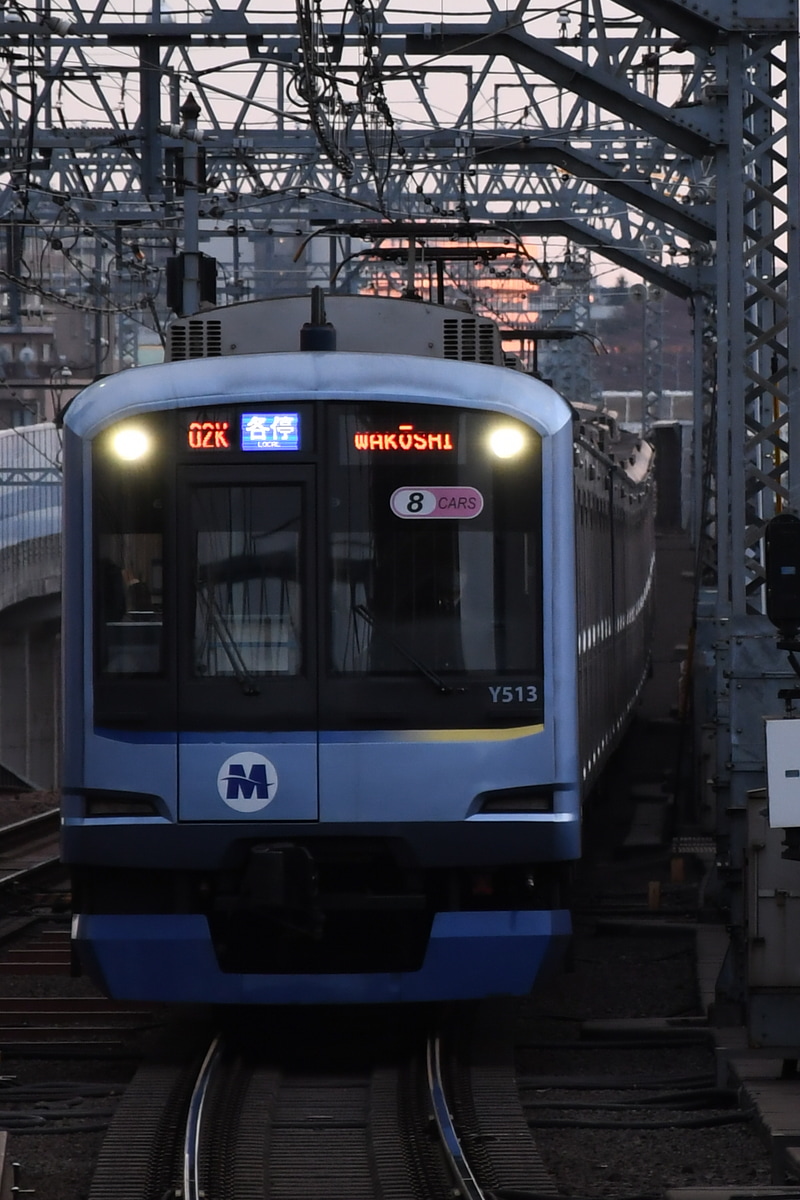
[
  {"x": 506, "y": 442},
  {"x": 130, "y": 444}
]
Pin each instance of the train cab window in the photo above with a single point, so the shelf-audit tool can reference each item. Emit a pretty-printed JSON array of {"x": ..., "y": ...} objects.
[
  {"x": 247, "y": 583},
  {"x": 128, "y": 556},
  {"x": 436, "y": 544}
]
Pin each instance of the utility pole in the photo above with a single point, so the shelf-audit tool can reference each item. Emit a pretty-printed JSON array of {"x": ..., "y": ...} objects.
[{"x": 191, "y": 218}]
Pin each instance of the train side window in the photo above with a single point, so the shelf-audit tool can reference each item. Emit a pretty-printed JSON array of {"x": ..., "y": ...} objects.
[{"x": 128, "y": 609}]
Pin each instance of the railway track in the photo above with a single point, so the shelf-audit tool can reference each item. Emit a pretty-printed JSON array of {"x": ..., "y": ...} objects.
[
  {"x": 28, "y": 848},
  {"x": 35, "y": 941},
  {"x": 409, "y": 1118},
  {"x": 425, "y": 1113},
  {"x": 34, "y": 927},
  {"x": 428, "y": 1113}
]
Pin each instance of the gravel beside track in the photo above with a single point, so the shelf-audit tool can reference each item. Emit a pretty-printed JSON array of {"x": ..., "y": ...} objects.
[
  {"x": 637, "y": 977},
  {"x": 56, "y": 1104}
]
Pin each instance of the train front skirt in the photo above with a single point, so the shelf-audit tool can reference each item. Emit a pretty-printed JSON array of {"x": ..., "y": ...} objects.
[{"x": 469, "y": 955}]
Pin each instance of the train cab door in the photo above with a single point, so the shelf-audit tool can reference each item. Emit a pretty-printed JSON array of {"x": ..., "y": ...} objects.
[{"x": 247, "y": 643}]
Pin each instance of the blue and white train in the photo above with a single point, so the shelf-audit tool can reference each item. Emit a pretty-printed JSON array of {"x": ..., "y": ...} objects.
[{"x": 348, "y": 636}]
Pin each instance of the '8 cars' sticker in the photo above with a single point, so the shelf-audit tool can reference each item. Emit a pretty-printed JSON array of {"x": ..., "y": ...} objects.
[{"x": 436, "y": 502}]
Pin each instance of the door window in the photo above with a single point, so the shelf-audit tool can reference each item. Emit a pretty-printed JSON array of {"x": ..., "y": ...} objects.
[{"x": 246, "y": 581}]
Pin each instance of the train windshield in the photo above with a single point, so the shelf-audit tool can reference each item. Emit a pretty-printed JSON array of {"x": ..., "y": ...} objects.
[
  {"x": 435, "y": 544},
  {"x": 348, "y": 565}
]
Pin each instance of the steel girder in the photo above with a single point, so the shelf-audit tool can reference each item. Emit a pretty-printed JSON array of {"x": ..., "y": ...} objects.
[
  {"x": 589, "y": 140},
  {"x": 577, "y": 145}
]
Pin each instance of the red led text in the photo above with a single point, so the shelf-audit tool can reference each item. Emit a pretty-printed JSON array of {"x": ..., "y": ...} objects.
[
  {"x": 406, "y": 438},
  {"x": 209, "y": 435}
]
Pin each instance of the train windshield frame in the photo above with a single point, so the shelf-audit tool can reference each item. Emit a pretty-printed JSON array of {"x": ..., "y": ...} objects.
[{"x": 355, "y": 565}]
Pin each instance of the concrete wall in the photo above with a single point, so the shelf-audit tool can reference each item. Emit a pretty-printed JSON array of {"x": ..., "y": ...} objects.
[
  {"x": 30, "y": 604},
  {"x": 30, "y": 691}
]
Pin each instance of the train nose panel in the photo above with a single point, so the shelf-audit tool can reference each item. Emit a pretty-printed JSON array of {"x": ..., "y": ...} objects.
[{"x": 247, "y": 780}]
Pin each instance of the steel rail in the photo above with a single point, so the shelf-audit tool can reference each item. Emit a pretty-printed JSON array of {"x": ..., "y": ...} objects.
[
  {"x": 19, "y": 874},
  {"x": 34, "y": 839},
  {"x": 192, "y": 1189},
  {"x": 466, "y": 1183},
  {"x": 21, "y": 833}
]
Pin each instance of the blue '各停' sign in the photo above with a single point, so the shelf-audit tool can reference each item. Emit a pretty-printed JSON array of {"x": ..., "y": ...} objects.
[{"x": 271, "y": 431}]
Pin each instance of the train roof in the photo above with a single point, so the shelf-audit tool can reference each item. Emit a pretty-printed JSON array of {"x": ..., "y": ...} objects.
[
  {"x": 320, "y": 375},
  {"x": 597, "y": 431},
  {"x": 361, "y": 325}
]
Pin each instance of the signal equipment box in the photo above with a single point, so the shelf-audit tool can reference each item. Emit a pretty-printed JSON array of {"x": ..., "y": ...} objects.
[{"x": 783, "y": 771}]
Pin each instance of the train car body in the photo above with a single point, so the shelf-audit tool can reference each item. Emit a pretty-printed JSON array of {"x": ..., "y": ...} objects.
[{"x": 323, "y": 740}]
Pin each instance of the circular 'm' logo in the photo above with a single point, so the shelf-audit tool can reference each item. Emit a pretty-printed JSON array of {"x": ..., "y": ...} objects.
[{"x": 247, "y": 782}]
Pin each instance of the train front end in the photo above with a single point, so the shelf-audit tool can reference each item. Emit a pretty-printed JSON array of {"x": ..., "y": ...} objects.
[{"x": 320, "y": 680}]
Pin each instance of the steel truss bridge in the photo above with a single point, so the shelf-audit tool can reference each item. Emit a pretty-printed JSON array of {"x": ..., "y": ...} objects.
[{"x": 656, "y": 137}]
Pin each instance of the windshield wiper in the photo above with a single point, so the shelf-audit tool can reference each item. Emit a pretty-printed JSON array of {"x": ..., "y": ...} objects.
[{"x": 362, "y": 611}]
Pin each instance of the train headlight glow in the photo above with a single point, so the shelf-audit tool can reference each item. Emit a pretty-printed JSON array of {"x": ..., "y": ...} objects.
[
  {"x": 506, "y": 442},
  {"x": 130, "y": 444}
]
